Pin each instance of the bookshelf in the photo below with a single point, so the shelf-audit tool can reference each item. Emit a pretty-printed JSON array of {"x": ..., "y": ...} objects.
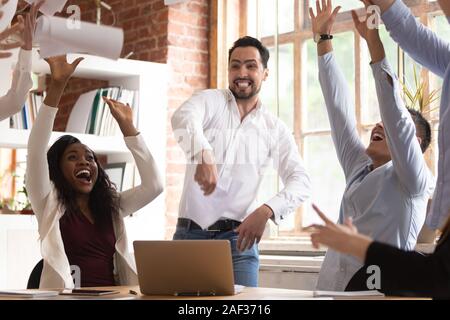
[{"x": 150, "y": 79}]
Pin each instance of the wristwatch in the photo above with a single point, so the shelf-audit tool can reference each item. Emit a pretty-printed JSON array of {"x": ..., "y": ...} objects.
[{"x": 322, "y": 37}]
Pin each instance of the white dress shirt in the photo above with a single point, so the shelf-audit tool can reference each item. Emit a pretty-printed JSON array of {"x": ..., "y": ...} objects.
[
  {"x": 389, "y": 203},
  {"x": 44, "y": 200},
  {"x": 244, "y": 150},
  {"x": 424, "y": 46},
  {"x": 14, "y": 100}
]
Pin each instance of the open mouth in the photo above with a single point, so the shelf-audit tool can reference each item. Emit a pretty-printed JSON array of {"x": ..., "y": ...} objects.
[
  {"x": 243, "y": 84},
  {"x": 377, "y": 137},
  {"x": 84, "y": 176}
]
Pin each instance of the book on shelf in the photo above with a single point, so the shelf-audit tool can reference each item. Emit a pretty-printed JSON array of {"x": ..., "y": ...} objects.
[
  {"x": 91, "y": 114},
  {"x": 25, "y": 118}
]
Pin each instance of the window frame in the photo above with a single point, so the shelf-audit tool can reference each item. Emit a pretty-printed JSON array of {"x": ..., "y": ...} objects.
[{"x": 423, "y": 9}]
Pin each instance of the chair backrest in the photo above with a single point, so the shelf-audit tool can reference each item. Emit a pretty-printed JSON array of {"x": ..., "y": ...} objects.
[{"x": 35, "y": 276}]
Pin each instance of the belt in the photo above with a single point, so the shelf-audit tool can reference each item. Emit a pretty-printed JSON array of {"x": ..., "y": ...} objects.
[{"x": 218, "y": 226}]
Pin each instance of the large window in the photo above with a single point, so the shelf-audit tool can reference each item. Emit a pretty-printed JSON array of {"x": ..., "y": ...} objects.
[{"x": 293, "y": 91}]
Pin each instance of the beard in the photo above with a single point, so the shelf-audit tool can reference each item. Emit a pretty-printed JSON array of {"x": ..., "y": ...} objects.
[{"x": 242, "y": 95}]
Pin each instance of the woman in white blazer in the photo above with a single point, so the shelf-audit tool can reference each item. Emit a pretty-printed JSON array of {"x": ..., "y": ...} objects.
[{"x": 79, "y": 212}]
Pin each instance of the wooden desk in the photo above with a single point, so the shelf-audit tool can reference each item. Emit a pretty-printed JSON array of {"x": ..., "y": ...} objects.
[{"x": 246, "y": 294}]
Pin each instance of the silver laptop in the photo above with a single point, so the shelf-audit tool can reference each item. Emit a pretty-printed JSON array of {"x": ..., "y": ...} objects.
[{"x": 185, "y": 267}]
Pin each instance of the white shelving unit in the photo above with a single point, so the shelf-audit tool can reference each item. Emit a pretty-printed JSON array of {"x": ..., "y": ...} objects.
[{"x": 150, "y": 79}]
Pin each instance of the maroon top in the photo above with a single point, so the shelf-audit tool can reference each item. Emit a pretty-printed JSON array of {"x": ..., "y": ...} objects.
[{"x": 91, "y": 247}]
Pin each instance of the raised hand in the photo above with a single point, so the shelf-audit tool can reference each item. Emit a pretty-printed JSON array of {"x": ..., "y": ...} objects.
[
  {"x": 61, "y": 70},
  {"x": 123, "y": 115},
  {"x": 16, "y": 28},
  {"x": 368, "y": 26},
  {"x": 323, "y": 21},
  {"x": 30, "y": 25}
]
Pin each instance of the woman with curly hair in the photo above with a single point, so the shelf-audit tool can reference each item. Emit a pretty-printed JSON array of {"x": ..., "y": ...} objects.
[{"x": 79, "y": 212}]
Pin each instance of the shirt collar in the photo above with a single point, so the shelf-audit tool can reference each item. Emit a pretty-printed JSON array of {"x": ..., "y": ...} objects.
[{"x": 231, "y": 98}]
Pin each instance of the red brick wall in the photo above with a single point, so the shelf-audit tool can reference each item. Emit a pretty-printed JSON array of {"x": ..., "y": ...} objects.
[{"x": 176, "y": 35}]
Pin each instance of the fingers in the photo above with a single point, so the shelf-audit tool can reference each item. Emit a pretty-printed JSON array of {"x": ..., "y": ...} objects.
[
  {"x": 9, "y": 46},
  {"x": 17, "y": 28},
  {"x": 318, "y": 10},
  {"x": 76, "y": 62},
  {"x": 322, "y": 215},
  {"x": 4, "y": 55},
  {"x": 336, "y": 11},
  {"x": 311, "y": 13},
  {"x": 1, "y": 14}
]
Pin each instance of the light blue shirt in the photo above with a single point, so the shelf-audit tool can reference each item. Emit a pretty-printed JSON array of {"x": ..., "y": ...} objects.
[
  {"x": 433, "y": 53},
  {"x": 388, "y": 203}
]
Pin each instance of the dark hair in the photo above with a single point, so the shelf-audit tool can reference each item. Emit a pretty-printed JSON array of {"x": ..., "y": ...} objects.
[
  {"x": 423, "y": 128},
  {"x": 103, "y": 199},
  {"x": 251, "y": 42}
]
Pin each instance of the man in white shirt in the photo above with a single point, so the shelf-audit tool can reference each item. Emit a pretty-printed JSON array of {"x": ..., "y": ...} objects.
[
  {"x": 230, "y": 139},
  {"x": 388, "y": 183}
]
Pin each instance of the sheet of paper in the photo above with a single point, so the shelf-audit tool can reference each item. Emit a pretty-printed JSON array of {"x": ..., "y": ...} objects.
[
  {"x": 9, "y": 9},
  {"x": 369, "y": 293},
  {"x": 50, "y": 7},
  {"x": 32, "y": 293},
  {"x": 80, "y": 112},
  {"x": 58, "y": 36}
]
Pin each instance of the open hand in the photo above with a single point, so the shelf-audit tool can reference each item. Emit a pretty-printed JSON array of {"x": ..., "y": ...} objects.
[
  {"x": 61, "y": 70},
  {"x": 323, "y": 21},
  {"x": 30, "y": 25},
  {"x": 16, "y": 28},
  {"x": 368, "y": 26},
  {"x": 123, "y": 115}
]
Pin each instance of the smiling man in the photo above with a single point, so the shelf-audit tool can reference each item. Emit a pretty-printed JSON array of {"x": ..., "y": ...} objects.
[
  {"x": 230, "y": 139},
  {"x": 388, "y": 183}
]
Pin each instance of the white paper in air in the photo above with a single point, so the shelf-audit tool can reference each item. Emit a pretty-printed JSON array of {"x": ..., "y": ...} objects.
[
  {"x": 57, "y": 36},
  {"x": 50, "y": 7},
  {"x": 9, "y": 9}
]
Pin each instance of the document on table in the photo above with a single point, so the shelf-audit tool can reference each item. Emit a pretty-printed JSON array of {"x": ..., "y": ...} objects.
[
  {"x": 32, "y": 293},
  {"x": 58, "y": 36},
  {"x": 348, "y": 294}
]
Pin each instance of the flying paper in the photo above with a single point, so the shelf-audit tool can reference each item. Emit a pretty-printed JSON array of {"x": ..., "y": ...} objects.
[
  {"x": 9, "y": 9},
  {"x": 58, "y": 36},
  {"x": 50, "y": 7}
]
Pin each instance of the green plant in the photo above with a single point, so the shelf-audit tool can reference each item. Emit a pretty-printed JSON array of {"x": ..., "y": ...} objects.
[{"x": 416, "y": 98}]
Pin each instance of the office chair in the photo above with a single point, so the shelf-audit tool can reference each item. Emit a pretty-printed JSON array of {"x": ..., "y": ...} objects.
[{"x": 35, "y": 276}]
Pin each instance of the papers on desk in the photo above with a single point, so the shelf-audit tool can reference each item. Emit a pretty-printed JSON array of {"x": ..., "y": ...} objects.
[
  {"x": 58, "y": 36},
  {"x": 28, "y": 293},
  {"x": 348, "y": 294}
]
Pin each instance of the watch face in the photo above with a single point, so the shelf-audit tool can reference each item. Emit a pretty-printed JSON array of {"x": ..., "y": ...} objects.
[{"x": 317, "y": 38}]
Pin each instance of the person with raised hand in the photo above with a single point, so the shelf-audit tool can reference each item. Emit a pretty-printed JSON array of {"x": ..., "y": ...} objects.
[
  {"x": 388, "y": 183},
  {"x": 80, "y": 213},
  {"x": 432, "y": 52},
  {"x": 15, "y": 98}
]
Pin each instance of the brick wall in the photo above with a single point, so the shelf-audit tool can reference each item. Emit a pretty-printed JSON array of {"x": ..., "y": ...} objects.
[{"x": 176, "y": 35}]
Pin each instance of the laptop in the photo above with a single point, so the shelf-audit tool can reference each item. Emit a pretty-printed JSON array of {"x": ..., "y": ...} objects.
[{"x": 185, "y": 267}]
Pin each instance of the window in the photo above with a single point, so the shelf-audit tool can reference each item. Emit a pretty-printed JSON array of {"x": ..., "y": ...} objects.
[{"x": 293, "y": 92}]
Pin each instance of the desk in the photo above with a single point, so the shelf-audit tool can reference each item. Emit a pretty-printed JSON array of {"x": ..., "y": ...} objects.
[{"x": 246, "y": 294}]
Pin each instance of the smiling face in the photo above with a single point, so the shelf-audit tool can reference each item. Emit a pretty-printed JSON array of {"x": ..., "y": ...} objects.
[
  {"x": 79, "y": 168},
  {"x": 378, "y": 149},
  {"x": 246, "y": 72}
]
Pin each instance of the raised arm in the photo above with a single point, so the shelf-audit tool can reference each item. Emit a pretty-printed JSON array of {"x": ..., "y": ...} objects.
[
  {"x": 406, "y": 153},
  {"x": 401, "y": 271},
  {"x": 338, "y": 98},
  {"x": 151, "y": 184},
  {"x": 37, "y": 174},
  {"x": 422, "y": 44}
]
